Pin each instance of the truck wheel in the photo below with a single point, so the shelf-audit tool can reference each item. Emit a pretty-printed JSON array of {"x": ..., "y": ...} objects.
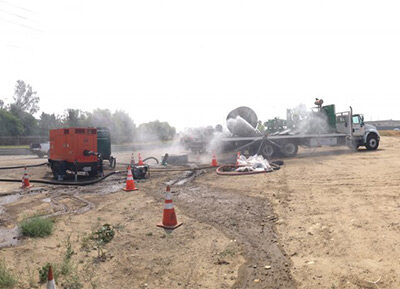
[
  {"x": 289, "y": 149},
  {"x": 267, "y": 151},
  {"x": 372, "y": 142}
]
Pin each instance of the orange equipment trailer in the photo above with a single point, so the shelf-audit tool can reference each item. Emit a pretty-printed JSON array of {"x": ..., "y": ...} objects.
[{"x": 74, "y": 149}]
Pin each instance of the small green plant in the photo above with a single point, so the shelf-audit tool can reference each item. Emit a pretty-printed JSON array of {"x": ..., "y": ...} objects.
[
  {"x": 72, "y": 282},
  {"x": 44, "y": 271},
  {"x": 101, "y": 237},
  {"x": 86, "y": 243},
  {"x": 65, "y": 272},
  {"x": 37, "y": 227},
  {"x": 227, "y": 252},
  {"x": 7, "y": 279},
  {"x": 66, "y": 266},
  {"x": 31, "y": 278}
]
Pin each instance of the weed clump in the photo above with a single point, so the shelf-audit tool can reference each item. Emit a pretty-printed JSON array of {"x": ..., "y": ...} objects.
[
  {"x": 66, "y": 272},
  {"x": 36, "y": 227},
  {"x": 7, "y": 279}
]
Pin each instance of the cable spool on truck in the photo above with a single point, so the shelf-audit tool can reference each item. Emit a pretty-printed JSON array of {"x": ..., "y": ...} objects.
[
  {"x": 76, "y": 150},
  {"x": 321, "y": 127}
]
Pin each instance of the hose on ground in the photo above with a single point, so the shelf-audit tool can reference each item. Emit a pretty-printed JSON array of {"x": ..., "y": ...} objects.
[
  {"x": 50, "y": 182},
  {"x": 220, "y": 170},
  {"x": 144, "y": 160},
  {"x": 151, "y": 158},
  {"x": 24, "y": 166},
  {"x": 180, "y": 170}
]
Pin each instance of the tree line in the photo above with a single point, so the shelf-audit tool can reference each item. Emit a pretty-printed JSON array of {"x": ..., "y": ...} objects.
[{"x": 18, "y": 119}]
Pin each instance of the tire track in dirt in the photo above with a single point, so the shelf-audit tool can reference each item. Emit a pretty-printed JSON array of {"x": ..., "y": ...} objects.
[{"x": 250, "y": 221}]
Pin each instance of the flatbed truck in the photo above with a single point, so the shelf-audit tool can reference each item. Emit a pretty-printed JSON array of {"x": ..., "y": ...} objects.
[{"x": 350, "y": 131}]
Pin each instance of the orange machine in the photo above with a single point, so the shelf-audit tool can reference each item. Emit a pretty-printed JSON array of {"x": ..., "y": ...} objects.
[{"x": 74, "y": 149}]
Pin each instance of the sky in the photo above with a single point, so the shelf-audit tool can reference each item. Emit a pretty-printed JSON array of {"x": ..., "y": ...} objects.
[{"x": 191, "y": 62}]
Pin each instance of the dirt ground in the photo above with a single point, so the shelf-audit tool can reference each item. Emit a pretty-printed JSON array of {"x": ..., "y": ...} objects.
[{"x": 328, "y": 218}]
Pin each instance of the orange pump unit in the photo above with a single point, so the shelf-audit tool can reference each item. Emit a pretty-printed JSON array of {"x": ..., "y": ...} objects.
[{"x": 74, "y": 149}]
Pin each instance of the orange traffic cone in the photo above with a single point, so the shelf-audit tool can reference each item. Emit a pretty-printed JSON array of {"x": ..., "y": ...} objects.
[
  {"x": 50, "y": 280},
  {"x": 237, "y": 158},
  {"x": 169, "y": 217},
  {"x": 25, "y": 180},
  {"x": 140, "y": 163},
  {"x": 130, "y": 183},
  {"x": 132, "y": 160},
  {"x": 214, "y": 162}
]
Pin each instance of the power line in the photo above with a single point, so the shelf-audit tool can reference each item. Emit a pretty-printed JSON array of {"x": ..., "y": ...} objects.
[
  {"x": 14, "y": 14},
  {"x": 17, "y": 6},
  {"x": 20, "y": 24}
]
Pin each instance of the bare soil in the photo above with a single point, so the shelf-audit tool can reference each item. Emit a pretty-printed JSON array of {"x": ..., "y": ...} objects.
[{"x": 327, "y": 219}]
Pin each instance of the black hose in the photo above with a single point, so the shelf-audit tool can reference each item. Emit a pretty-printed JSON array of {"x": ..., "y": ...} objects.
[
  {"x": 144, "y": 160},
  {"x": 48, "y": 182},
  {"x": 180, "y": 170},
  {"x": 24, "y": 166},
  {"x": 151, "y": 158}
]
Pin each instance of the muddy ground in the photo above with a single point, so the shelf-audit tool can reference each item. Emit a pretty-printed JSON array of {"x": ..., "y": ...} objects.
[{"x": 328, "y": 219}]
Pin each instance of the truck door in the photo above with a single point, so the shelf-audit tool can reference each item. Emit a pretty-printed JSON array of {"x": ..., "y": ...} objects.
[{"x": 358, "y": 126}]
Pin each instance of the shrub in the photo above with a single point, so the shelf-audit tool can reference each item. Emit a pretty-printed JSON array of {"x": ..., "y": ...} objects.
[
  {"x": 7, "y": 279},
  {"x": 101, "y": 237},
  {"x": 37, "y": 227}
]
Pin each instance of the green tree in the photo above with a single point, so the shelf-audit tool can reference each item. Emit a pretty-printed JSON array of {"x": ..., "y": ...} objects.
[
  {"x": 124, "y": 128},
  {"x": 156, "y": 130},
  {"x": 101, "y": 118},
  {"x": 75, "y": 118},
  {"x": 29, "y": 122},
  {"x": 10, "y": 125},
  {"x": 121, "y": 125},
  {"x": 25, "y": 99},
  {"x": 47, "y": 122}
]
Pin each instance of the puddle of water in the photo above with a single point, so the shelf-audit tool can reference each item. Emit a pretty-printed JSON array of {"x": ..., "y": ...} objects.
[
  {"x": 9, "y": 199},
  {"x": 9, "y": 237}
]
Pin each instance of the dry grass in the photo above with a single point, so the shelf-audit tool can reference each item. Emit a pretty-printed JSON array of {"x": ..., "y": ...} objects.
[{"x": 389, "y": 132}]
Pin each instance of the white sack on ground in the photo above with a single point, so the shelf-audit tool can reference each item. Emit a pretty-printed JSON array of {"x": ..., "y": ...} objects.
[{"x": 254, "y": 163}]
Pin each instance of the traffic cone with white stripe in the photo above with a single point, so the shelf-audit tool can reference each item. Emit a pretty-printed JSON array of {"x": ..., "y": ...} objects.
[
  {"x": 237, "y": 158},
  {"x": 25, "y": 180},
  {"x": 169, "y": 220},
  {"x": 130, "y": 182},
  {"x": 51, "y": 284},
  {"x": 140, "y": 163},
  {"x": 214, "y": 162},
  {"x": 132, "y": 160}
]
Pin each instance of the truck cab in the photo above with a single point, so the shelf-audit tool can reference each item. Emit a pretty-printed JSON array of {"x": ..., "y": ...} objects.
[
  {"x": 358, "y": 125},
  {"x": 361, "y": 134}
]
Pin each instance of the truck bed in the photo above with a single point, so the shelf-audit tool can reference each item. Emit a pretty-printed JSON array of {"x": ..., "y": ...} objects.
[{"x": 278, "y": 137}]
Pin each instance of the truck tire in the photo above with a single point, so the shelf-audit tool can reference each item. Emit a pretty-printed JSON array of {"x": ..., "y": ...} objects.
[
  {"x": 372, "y": 142},
  {"x": 289, "y": 149},
  {"x": 268, "y": 150}
]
